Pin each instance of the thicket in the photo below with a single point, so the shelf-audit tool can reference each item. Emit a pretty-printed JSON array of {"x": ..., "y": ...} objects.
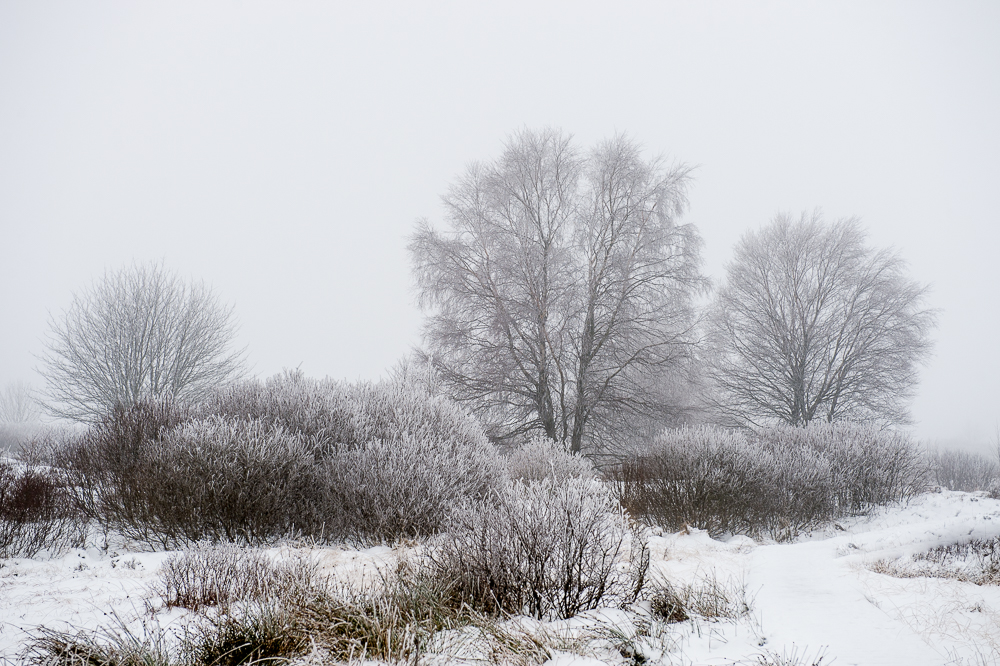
[
  {"x": 965, "y": 471},
  {"x": 777, "y": 481},
  {"x": 35, "y": 512},
  {"x": 540, "y": 458},
  {"x": 287, "y": 458}
]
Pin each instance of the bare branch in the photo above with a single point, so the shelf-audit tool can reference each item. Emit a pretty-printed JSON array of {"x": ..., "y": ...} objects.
[
  {"x": 813, "y": 324},
  {"x": 138, "y": 333},
  {"x": 562, "y": 293}
]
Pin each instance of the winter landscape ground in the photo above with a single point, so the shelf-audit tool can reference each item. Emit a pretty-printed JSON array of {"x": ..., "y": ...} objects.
[{"x": 814, "y": 600}]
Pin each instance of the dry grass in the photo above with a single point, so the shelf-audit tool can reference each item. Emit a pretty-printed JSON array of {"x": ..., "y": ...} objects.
[
  {"x": 224, "y": 575},
  {"x": 976, "y": 561}
]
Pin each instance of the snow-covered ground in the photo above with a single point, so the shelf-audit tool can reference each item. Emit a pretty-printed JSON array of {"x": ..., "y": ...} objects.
[{"x": 814, "y": 597}]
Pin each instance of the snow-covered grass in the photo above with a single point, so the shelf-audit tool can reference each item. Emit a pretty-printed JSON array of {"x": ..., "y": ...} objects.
[{"x": 815, "y": 600}]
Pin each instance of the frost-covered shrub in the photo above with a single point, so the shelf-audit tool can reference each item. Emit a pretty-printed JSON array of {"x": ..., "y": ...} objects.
[
  {"x": 777, "y": 481},
  {"x": 548, "y": 548},
  {"x": 237, "y": 481},
  {"x": 321, "y": 410},
  {"x": 721, "y": 481},
  {"x": 345, "y": 416},
  {"x": 35, "y": 512},
  {"x": 108, "y": 459},
  {"x": 206, "y": 479},
  {"x": 870, "y": 466},
  {"x": 387, "y": 490},
  {"x": 540, "y": 457},
  {"x": 288, "y": 457},
  {"x": 291, "y": 457},
  {"x": 393, "y": 457},
  {"x": 414, "y": 457},
  {"x": 961, "y": 470}
]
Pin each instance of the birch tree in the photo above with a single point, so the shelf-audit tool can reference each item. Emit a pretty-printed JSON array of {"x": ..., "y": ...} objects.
[{"x": 559, "y": 298}]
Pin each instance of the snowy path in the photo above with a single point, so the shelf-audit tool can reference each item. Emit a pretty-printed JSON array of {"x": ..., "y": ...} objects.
[
  {"x": 808, "y": 596},
  {"x": 817, "y": 593}
]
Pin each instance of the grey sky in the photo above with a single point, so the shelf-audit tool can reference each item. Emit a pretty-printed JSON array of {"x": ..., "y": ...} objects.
[{"x": 282, "y": 151}]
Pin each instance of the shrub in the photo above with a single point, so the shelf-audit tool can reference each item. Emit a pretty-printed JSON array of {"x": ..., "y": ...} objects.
[
  {"x": 721, "y": 481},
  {"x": 106, "y": 464},
  {"x": 319, "y": 410},
  {"x": 392, "y": 457},
  {"x": 540, "y": 457},
  {"x": 416, "y": 457},
  {"x": 237, "y": 481},
  {"x": 206, "y": 479},
  {"x": 778, "y": 481},
  {"x": 543, "y": 548},
  {"x": 291, "y": 457},
  {"x": 35, "y": 512},
  {"x": 961, "y": 470},
  {"x": 870, "y": 466}
]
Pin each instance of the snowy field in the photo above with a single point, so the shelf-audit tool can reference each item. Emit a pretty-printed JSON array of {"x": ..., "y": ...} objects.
[{"x": 815, "y": 597}]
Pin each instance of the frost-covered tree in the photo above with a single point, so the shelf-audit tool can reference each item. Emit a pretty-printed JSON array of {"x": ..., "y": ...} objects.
[
  {"x": 135, "y": 334},
  {"x": 560, "y": 297},
  {"x": 17, "y": 404},
  {"x": 813, "y": 324}
]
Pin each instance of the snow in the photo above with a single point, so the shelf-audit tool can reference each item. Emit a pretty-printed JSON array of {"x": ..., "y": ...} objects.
[{"x": 813, "y": 597}]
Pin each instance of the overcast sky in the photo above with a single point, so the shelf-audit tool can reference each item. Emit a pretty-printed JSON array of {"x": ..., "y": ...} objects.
[{"x": 282, "y": 151}]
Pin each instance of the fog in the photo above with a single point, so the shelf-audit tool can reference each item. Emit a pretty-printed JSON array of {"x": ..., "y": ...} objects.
[{"x": 283, "y": 152}]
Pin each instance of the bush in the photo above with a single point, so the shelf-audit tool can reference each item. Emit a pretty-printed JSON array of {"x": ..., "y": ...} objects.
[
  {"x": 541, "y": 457},
  {"x": 237, "y": 481},
  {"x": 722, "y": 482},
  {"x": 960, "y": 470},
  {"x": 292, "y": 457},
  {"x": 35, "y": 512},
  {"x": 319, "y": 410},
  {"x": 206, "y": 479},
  {"x": 778, "y": 481},
  {"x": 870, "y": 466},
  {"x": 542, "y": 548},
  {"x": 106, "y": 464},
  {"x": 393, "y": 458}
]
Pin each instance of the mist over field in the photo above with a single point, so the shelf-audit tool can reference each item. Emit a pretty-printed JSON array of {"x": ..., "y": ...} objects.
[
  {"x": 283, "y": 154},
  {"x": 521, "y": 333}
]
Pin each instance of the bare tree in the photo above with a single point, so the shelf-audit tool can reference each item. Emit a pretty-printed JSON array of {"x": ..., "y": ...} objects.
[
  {"x": 17, "y": 404},
  {"x": 138, "y": 333},
  {"x": 561, "y": 298},
  {"x": 813, "y": 324}
]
